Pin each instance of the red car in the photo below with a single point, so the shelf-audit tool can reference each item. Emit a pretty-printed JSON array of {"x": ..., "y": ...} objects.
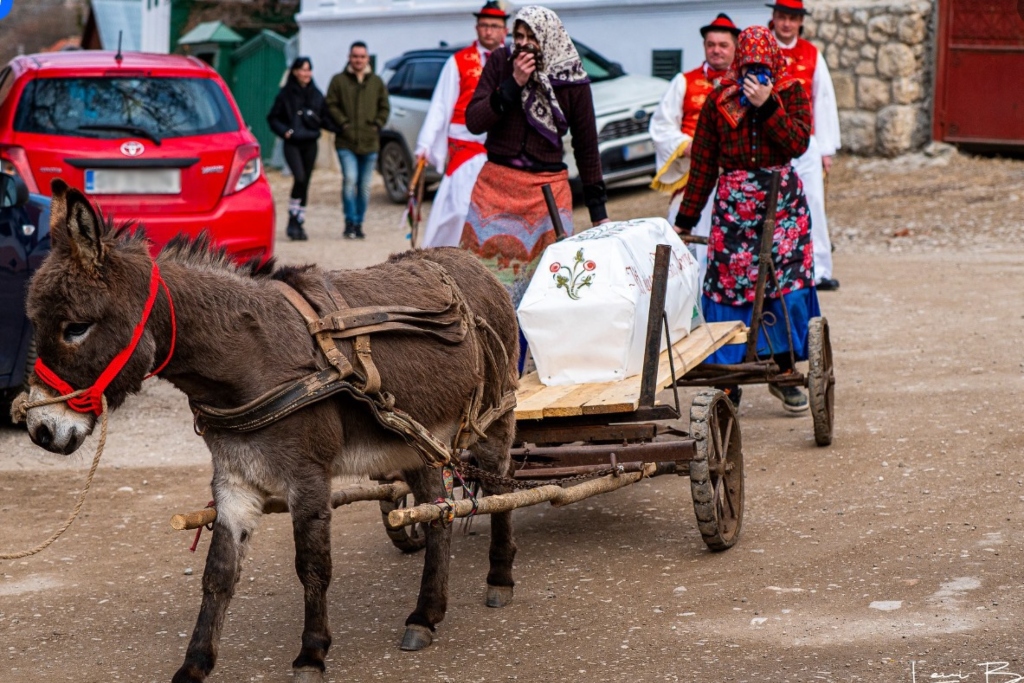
[{"x": 154, "y": 138}]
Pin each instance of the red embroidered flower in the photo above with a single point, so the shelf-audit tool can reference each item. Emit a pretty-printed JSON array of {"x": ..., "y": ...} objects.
[
  {"x": 555, "y": 267},
  {"x": 589, "y": 265}
]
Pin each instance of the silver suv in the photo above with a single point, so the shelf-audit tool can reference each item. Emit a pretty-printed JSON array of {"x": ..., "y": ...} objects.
[{"x": 623, "y": 105}]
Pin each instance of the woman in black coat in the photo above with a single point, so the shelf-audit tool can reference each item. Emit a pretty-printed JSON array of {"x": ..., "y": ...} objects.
[{"x": 295, "y": 117}]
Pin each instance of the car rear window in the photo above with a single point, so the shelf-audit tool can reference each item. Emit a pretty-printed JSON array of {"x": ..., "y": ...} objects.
[{"x": 115, "y": 107}]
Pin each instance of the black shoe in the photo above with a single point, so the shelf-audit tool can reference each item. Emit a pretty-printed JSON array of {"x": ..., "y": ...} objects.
[
  {"x": 827, "y": 284},
  {"x": 358, "y": 228},
  {"x": 294, "y": 229},
  {"x": 793, "y": 400},
  {"x": 350, "y": 232}
]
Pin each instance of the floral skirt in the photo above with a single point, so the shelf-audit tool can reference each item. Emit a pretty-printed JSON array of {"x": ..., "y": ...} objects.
[
  {"x": 734, "y": 244},
  {"x": 508, "y": 226},
  {"x": 734, "y": 248}
]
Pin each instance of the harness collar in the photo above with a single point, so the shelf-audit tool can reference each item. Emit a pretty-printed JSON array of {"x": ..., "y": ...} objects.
[{"x": 91, "y": 400}]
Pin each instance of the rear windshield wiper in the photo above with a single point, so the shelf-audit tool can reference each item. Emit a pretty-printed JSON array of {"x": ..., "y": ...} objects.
[{"x": 137, "y": 130}]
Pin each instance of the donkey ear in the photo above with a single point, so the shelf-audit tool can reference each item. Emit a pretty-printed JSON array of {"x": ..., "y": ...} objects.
[{"x": 74, "y": 223}]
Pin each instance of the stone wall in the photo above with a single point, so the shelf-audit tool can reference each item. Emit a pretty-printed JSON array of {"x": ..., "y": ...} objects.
[{"x": 880, "y": 55}]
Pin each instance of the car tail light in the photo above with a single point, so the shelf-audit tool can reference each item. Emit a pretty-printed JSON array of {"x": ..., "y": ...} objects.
[
  {"x": 246, "y": 168},
  {"x": 14, "y": 161}
]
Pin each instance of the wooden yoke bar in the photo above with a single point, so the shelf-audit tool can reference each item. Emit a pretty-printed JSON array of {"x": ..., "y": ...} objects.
[
  {"x": 393, "y": 491},
  {"x": 504, "y": 502}
]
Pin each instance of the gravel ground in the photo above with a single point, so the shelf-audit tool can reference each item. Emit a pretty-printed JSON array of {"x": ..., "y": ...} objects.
[{"x": 891, "y": 556}]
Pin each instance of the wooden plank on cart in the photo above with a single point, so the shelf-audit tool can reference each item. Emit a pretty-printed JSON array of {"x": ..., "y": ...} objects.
[
  {"x": 624, "y": 396},
  {"x": 536, "y": 401},
  {"x": 693, "y": 349}
]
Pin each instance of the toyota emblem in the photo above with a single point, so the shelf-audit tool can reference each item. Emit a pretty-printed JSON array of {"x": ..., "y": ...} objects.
[{"x": 132, "y": 148}]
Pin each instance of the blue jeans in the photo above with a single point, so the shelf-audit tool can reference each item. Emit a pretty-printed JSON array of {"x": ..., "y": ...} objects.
[{"x": 356, "y": 173}]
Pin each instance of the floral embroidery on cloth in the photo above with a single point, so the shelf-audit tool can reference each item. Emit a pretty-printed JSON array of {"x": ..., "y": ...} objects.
[
  {"x": 735, "y": 241},
  {"x": 577, "y": 276}
]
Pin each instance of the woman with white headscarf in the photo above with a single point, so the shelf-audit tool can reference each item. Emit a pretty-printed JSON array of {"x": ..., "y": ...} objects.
[{"x": 527, "y": 100}]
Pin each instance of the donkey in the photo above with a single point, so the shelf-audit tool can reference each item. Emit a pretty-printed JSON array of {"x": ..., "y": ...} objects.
[{"x": 237, "y": 337}]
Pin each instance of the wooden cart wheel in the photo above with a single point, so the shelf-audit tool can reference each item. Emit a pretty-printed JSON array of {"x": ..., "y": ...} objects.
[
  {"x": 408, "y": 539},
  {"x": 716, "y": 471},
  {"x": 821, "y": 380}
]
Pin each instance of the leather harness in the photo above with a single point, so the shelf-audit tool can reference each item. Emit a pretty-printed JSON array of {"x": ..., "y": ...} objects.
[{"x": 453, "y": 323}]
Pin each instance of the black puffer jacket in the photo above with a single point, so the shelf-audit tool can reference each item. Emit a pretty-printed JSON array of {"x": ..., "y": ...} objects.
[{"x": 299, "y": 109}]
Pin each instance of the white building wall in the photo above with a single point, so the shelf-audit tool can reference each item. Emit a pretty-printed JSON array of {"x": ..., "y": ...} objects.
[
  {"x": 625, "y": 31},
  {"x": 156, "y": 26}
]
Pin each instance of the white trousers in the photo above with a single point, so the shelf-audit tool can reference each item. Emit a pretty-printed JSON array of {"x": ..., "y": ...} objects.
[
  {"x": 451, "y": 204},
  {"x": 703, "y": 229},
  {"x": 808, "y": 167}
]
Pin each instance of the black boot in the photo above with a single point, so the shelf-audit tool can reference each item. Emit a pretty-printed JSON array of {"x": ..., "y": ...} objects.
[
  {"x": 301, "y": 236},
  {"x": 350, "y": 232},
  {"x": 294, "y": 229},
  {"x": 358, "y": 229}
]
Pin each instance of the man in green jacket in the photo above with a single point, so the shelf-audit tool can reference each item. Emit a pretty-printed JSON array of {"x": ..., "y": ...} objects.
[{"x": 358, "y": 102}]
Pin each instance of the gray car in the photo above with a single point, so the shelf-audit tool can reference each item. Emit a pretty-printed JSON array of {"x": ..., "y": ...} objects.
[{"x": 623, "y": 105}]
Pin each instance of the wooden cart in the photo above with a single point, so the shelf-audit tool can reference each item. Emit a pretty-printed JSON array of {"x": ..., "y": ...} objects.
[
  {"x": 618, "y": 433},
  {"x": 600, "y": 437}
]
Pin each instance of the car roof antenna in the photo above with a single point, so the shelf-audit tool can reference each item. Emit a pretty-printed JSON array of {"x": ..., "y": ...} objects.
[{"x": 119, "y": 57}]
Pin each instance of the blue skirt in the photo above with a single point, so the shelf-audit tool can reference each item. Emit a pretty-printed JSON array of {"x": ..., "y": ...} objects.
[{"x": 802, "y": 305}]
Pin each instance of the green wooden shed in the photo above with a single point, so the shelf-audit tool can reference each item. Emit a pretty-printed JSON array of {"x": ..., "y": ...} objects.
[
  {"x": 258, "y": 70},
  {"x": 213, "y": 42}
]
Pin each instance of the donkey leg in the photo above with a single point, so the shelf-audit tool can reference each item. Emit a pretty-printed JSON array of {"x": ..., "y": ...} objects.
[
  {"x": 311, "y": 526},
  {"x": 238, "y": 512},
  {"x": 432, "y": 603},
  {"x": 494, "y": 456}
]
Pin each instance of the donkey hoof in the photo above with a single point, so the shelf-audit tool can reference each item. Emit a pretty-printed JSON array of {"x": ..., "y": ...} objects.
[
  {"x": 499, "y": 596},
  {"x": 416, "y": 638},
  {"x": 308, "y": 674}
]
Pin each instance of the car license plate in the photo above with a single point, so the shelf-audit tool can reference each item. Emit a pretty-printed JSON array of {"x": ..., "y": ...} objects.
[
  {"x": 133, "y": 181},
  {"x": 637, "y": 150}
]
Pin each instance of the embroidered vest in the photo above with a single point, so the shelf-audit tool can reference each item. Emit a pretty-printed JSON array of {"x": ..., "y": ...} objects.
[
  {"x": 699, "y": 85},
  {"x": 801, "y": 59},
  {"x": 470, "y": 68}
]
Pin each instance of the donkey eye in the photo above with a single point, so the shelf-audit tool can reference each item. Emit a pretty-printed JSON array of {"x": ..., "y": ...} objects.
[{"x": 74, "y": 332}]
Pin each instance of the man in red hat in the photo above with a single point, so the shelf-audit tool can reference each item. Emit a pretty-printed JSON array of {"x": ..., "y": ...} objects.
[
  {"x": 808, "y": 66},
  {"x": 675, "y": 120},
  {"x": 444, "y": 136}
]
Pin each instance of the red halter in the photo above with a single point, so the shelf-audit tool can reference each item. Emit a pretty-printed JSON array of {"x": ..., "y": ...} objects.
[{"x": 91, "y": 401}]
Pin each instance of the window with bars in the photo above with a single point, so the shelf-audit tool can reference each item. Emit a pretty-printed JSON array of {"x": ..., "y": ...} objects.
[{"x": 666, "y": 63}]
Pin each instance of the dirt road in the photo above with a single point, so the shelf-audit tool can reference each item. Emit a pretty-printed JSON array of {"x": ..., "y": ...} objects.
[{"x": 892, "y": 556}]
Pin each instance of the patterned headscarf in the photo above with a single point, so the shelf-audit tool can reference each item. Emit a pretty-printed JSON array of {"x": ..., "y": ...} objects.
[
  {"x": 757, "y": 45},
  {"x": 561, "y": 66}
]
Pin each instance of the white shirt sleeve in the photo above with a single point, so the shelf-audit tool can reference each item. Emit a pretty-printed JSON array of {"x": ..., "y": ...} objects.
[
  {"x": 433, "y": 137},
  {"x": 826, "y": 113},
  {"x": 667, "y": 119}
]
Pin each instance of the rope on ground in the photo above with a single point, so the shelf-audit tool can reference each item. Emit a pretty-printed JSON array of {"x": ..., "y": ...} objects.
[{"x": 19, "y": 413}]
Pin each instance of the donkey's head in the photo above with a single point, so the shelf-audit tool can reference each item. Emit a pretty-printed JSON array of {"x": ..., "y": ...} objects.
[{"x": 85, "y": 302}]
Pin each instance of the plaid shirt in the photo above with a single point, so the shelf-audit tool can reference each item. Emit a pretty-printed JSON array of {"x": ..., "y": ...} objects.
[{"x": 769, "y": 135}]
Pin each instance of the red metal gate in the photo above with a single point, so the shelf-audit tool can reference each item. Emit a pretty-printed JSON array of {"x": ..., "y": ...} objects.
[{"x": 979, "y": 85}]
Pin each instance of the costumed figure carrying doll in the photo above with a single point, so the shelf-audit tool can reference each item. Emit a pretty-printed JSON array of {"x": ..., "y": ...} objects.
[{"x": 754, "y": 122}]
